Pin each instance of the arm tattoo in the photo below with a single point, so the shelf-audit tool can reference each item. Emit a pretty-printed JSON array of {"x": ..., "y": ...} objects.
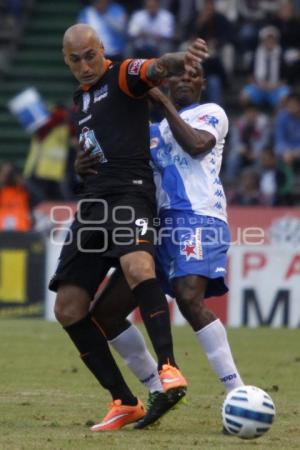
[{"x": 166, "y": 66}]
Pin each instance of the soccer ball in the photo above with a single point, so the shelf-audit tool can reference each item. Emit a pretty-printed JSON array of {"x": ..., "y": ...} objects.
[{"x": 248, "y": 412}]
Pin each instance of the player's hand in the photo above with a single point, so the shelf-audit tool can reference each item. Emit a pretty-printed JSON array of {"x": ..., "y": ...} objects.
[
  {"x": 85, "y": 162},
  {"x": 195, "y": 54},
  {"x": 157, "y": 96}
]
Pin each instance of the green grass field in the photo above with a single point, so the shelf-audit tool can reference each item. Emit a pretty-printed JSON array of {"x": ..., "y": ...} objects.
[{"x": 48, "y": 398}]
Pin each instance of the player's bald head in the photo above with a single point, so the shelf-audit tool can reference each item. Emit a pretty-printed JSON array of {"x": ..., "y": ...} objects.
[
  {"x": 80, "y": 35},
  {"x": 84, "y": 53}
]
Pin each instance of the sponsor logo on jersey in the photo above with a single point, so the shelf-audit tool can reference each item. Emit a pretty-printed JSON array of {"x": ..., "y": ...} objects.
[
  {"x": 135, "y": 65},
  {"x": 101, "y": 93},
  {"x": 162, "y": 157},
  {"x": 89, "y": 141},
  {"x": 209, "y": 120},
  {"x": 86, "y": 99},
  {"x": 191, "y": 246},
  {"x": 220, "y": 269}
]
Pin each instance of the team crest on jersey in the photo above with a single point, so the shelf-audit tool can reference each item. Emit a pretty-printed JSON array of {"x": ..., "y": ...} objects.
[
  {"x": 209, "y": 120},
  {"x": 86, "y": 99},
  {"x": 135, "y": 66},
  {"x": 191, "y": 246},
  {"x": 101, "y": 93},
  {"x": 89, "y": 141}
]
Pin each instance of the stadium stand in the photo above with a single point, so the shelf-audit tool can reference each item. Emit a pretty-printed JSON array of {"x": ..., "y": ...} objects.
[
  {"x": 30, "y": 56},
  {"x": 36, "y": 61}
]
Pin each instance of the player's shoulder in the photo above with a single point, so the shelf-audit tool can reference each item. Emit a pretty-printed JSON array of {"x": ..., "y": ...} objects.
[
  {"x": 212, "y": 114},
  {"x": 211, "y": 108}
]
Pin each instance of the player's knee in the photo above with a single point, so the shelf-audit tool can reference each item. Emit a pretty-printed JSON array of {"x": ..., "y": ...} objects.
[
  {"x": 190, "y": 289},
  {"x": 69, "y": 308},
  {"x": 138, "y": 270},
  {"x": 189, "y": 294},
  {"x": 61, "y": 311}
]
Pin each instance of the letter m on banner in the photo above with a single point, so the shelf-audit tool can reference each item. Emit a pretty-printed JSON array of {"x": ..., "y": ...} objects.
[{"x": 280, "y": 306}]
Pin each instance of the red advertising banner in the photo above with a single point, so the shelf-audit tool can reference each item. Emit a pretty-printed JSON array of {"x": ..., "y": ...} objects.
[{"x": 259, "y": 235}]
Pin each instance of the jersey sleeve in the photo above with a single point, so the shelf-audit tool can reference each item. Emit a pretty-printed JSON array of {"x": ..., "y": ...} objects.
[
  {"x": 133, "y": 80},
  {"x": 212, "y": 119}
]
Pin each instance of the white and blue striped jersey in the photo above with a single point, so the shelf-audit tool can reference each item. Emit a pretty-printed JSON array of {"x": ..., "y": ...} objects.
[{"x": 189, "y": 183}]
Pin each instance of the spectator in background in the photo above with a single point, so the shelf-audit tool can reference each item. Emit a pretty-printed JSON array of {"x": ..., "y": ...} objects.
[
  {"x": 296, "y": 4},
  {"x": 267, "y": 86},
  {"x": 211, "y": 25},
  {"x": 131, "y": 5},
  {"x": 228, "y": 8},
  {"x": 247, "y": 192},
  {"x": 287, "y": 132},
  {"x": 14, "y": 9},
  {"x": 215, "y": 75},
  {"x": 253, "y": 14},
  {"x": 151, "y": 31},
  {"x": 250, "y": 134},
  {"x": 287, "y": 22},
  {"x": 14, "y": 200},
  {"x": 109, "y": 20},
  {"x": 276, "y": 181},
  {"x": 46, "y": 168},
  {"x": 184, "y": 13}
]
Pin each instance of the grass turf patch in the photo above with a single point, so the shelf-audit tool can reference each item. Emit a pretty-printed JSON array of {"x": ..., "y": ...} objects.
[{"x": 48, "y": 398}]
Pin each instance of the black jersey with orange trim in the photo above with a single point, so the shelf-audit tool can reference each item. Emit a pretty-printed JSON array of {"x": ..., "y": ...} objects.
[{"x": 112, "y": 117}]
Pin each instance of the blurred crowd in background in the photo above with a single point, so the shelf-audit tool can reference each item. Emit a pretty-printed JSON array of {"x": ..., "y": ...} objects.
[{"x": 252, "y": 72}]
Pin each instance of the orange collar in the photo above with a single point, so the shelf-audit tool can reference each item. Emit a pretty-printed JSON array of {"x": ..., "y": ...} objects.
[{"x": 87, "y": 87}]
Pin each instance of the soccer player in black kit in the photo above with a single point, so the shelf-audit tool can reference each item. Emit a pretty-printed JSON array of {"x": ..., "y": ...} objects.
[{"x": 113, "y": 222}]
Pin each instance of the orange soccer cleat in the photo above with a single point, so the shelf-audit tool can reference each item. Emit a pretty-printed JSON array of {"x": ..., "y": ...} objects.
[
  {"x": 171, "y": 378},
  {"x": 120, "y": 415}
]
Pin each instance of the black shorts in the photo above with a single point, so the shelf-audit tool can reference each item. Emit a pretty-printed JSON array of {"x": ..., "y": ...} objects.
[{"x": 104, "y": 230}]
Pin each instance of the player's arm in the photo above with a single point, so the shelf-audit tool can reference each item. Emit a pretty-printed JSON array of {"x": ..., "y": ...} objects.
[
  {"x": 138, "y": 76},
  {"x": 174, "y": 63},
  {"x": 193, "y": 141}
]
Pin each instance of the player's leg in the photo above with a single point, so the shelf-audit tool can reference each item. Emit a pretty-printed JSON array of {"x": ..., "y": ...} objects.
[
  {"x": 75, "y": 288},
  {"x": 209, "y": 330},
  {"x": 110, "y": 309},
  {"x": 139, "y": 270},
  {"x": 198, "y": 265},
  {"x": 136, "y": 256}
]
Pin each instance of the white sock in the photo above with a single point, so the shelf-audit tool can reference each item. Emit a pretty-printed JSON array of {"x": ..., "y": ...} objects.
[
  {"x": 130, "y": 344},
  {"x": 213, "y": 339}
]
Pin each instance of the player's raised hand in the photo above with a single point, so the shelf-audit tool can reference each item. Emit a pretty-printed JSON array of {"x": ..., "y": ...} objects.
[
  {"x": 195, "y": 54},
  {"x": 85, "y": 162}
]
